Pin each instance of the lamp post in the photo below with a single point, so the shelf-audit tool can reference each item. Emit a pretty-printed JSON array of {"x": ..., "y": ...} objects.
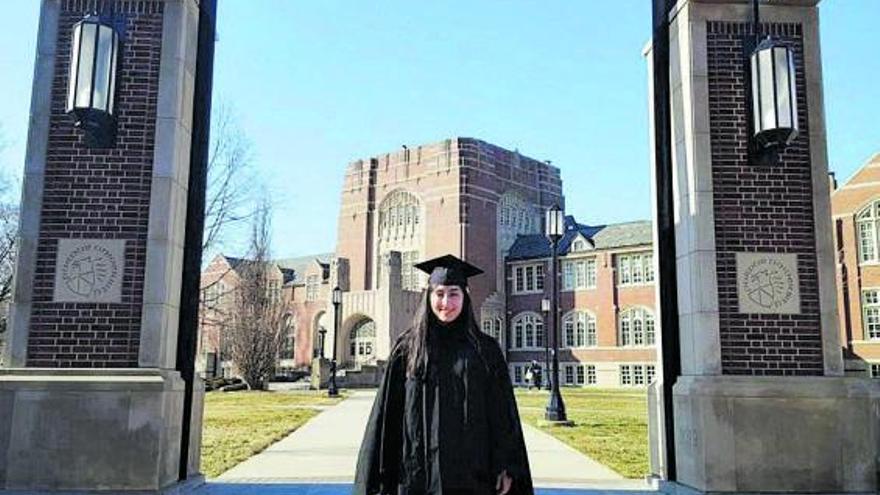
[
  {"x": 545, "y": 308},
  {"x": 91, "y": 84},
  {"x": 555, "y": 228},
  {"x": 332, "y": 391}
]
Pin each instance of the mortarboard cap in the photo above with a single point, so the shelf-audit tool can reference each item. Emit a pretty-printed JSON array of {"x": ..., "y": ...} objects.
[{"x": 448, "y": 270}]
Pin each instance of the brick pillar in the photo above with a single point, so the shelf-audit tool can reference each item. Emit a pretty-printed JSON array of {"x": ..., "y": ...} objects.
[
  {"x": 762, "y": 404},
  {"x": 97, "y": 286}
]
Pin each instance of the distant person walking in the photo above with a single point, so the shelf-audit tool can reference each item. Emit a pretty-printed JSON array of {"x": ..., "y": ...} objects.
[{"x": 445, "y": 419}]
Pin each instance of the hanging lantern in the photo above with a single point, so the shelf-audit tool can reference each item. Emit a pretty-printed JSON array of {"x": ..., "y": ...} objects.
[
  {"x": 774, "y": 97},
  {"x": 555, "y": 222},
  {"x": 91, "y": 87}
]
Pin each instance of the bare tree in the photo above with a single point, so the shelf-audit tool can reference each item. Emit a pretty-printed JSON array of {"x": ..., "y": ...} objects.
[
  {"x": 8, "y": 235},
  {"x": 256, "y": 330},
  {"x": 229, "y": 200}
]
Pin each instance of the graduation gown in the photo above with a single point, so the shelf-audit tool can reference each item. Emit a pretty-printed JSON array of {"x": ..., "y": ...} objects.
[{"x": 450, "y": 431}]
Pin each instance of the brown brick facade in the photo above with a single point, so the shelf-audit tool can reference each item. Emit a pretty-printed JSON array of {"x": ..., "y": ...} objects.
[
  {"x": 760, "y": 209},
  {"x": 94, "y": 193}
]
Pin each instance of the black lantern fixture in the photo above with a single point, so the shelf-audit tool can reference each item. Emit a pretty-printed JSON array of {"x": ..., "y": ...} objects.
[
  {"x": 555, "y": 226},
  {"x": 94, "y": 56},
  {"x": 332, "y": 391},
  {"x": 774, "y": 96}
]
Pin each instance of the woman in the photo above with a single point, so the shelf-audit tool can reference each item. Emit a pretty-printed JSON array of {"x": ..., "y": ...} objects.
[{"x": 445, "y": 420}]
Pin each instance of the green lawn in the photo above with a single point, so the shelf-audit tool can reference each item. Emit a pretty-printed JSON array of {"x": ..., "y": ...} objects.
[
  {"x": 240, "y": 424},
  {"x": 611, "y": 426}
]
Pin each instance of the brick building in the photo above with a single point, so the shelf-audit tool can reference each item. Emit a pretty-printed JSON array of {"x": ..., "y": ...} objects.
[
  {"x": 485, "y": 204},
  {"x": 855, "y": 207},
  {"x": 606, "y": 305}
]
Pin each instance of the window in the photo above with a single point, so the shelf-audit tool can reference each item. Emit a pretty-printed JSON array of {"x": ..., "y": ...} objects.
[
  {"x": 528, "y": 278},
  {"x": 579, "y": 274},
  {"x": 492, "y": 326},
  {"x": 579, "y": 379},
  {"x": 528, "y": 332},
  {"x": 362, "y": 340},
  {"x": 871, "y": 311},
  {"x": 517, "y": 374},
  {"x": 579, "y": 328},
  {"x": 636, "y": 327},
  {"x": 636, "y": 375},
  {"x": 578, "y": 245},
  {"x": 569, "y": 374},
  {"x": 874, "y": 370},
  {"x": 410, "y": 278},
  {"x": 635, "y": 269},
  {"x": 312, "y": 288},
  {"x": 591, "y": 374},
  {"x": 625, "y": 375},
  {"x": 867, "y": 224}
]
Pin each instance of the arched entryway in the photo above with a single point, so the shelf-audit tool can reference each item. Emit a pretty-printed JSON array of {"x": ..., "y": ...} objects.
[
  {"x": 321, "y": 327},
  {"x": 362, "y": 343}
]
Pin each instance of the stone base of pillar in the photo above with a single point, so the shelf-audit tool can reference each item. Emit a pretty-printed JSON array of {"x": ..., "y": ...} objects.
[
  {"x": 110, "y": 430},
  {"x": 768, "y": 434},
  {"x": 320, "y": 377}
]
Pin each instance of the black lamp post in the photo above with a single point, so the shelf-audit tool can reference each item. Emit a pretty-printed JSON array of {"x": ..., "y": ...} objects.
[
  {"x": 774, "y": 96},
  {"x": 555, "y": 226},
  {"x": 332, "y": 391},
  {"x": 322, "y": 337},
  {"x": 94, "y": 55},
  {"x": 545, "y": 308}
]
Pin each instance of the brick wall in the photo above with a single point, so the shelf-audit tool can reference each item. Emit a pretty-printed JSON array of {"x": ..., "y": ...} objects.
[
  {"x": 98, "y": 194},
  {"x": 759, "y": 209}
]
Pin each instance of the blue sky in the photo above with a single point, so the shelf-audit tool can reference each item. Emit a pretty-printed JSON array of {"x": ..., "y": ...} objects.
[{"x": 316, "y": 84}]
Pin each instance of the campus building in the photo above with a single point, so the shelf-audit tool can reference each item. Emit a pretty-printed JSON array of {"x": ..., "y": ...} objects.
[
  {"x": 855, "y": 207},
  {"x": 606, "y": 305}
]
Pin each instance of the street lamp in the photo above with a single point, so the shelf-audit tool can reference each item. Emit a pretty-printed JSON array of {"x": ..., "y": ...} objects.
[
  {"x": 545, "y": 308},
  {"x": 332, "y": 391},
  {"x": 91, "y": 86},
  {"x": 774, "y": 96},
  {"x": 555, "y": 226}
]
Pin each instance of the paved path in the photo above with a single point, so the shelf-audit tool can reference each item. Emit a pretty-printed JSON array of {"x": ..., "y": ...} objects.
[{"x": 325, "y": 449}]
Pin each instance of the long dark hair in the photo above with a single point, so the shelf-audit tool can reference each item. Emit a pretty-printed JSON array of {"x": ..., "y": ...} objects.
[{"x": 417, "y": 340}]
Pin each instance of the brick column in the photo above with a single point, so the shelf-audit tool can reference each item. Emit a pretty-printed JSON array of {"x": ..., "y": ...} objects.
[
  {"x": 762, "y": 404},
  {"x": 97, "y": 286}
]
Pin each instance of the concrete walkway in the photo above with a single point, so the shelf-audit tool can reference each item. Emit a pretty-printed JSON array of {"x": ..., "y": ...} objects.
[{"x": 325, "y": 449}]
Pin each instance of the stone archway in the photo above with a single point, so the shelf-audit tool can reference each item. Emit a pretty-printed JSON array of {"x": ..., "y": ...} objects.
[
  {"x": 360, "y": 342},
  {"x": 321, "y": 340}
]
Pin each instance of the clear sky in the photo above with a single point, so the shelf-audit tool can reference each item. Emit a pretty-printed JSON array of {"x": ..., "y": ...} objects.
[{"x": 316, "y": 84}]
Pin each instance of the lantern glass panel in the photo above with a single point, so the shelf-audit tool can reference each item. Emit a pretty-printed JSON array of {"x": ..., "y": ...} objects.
[
  {"x": 768, "y": 98},
  {"x": 793, "y": 91},
  {"x": 74, "y": 69},
  {"x": 102, "y": 68},
  {"x": 113, "y": 58},
  {"x": 783, "y": 99},
  {"x": 756, "y": 102},
  {"x": 86, "y": 65}
]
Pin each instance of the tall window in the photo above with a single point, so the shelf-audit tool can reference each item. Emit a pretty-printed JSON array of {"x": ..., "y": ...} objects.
[
  {"x": 312, "y": 284},
  {"x": 528, "y": 278},
  {"x": 399, "y": 229},
  {"x": 528, "y": 332},
  {"x": 867, "y": 225},
  {"x": 579, "y": 329},
  {"x": 874, "y": 370},
  {"x": 636, "y": 327},
  {"x": 579, "y": 274},
  {"x": 635, "y": 269},
  {"x": 409, "y": 275},
  {"x": 591, "y": 374},
  {"x": 289, "y": 344},
  {"x": 871, "y": 313},
  {"x": 493, "y": 326},
  {"x": 362, "y": 341}
]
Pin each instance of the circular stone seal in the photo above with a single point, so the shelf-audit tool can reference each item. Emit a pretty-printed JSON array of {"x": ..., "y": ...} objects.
[
  {"x": 89, "y": 270},
  {"x": 769, "y": 283}
]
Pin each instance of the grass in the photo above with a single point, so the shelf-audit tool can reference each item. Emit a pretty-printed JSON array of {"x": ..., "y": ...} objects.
[
  {"x": 238, "y": 425},
  {"x": 611, "y": 426}
]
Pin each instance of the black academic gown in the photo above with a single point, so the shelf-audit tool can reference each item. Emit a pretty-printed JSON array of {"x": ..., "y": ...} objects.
[{"x": 450, "y": 431}]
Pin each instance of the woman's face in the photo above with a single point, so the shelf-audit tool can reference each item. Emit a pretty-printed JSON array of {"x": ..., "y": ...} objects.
[{"x": 446, "y": 302}]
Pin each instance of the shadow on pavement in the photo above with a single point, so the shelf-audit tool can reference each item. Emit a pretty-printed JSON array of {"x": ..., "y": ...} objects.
[{"x": 214, "y": 488}]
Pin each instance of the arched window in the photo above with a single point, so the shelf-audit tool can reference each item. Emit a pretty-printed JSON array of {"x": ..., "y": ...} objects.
[
  {"x": 867, "y": 226},
  {"x": 636, "y": 327},
  {"x": 362, "y": 341},
  {"x": 399, "y": 230},
  {"x": 527, "y": 332},
  {"x": 493, "y": 326},
  {"x": 579, "y": 329},
  {"x": 289, "y": 343}
]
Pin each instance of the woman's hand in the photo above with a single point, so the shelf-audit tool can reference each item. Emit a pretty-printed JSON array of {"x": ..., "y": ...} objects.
[{"x": 502, "y": 485}]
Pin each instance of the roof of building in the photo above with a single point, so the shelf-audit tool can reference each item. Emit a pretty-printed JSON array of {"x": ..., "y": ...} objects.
[
  {"x": 292, "y": 269},
  {"x": 611, "y": 236},
  {"x": 298, "y": 266}
]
